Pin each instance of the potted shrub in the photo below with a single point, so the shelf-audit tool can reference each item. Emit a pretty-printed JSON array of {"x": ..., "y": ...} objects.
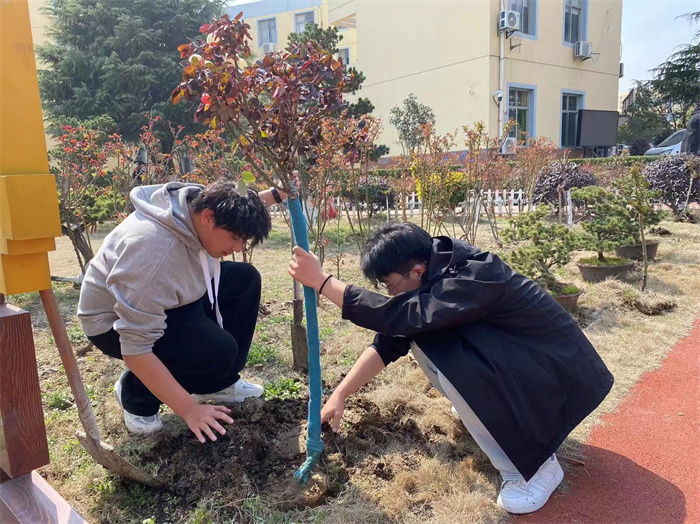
[
  {"x": 541, "y": 247},
  {"x": 636, "y": 194},
  {"x": 634, "y": 190},
  {"x": 607, "y": 224}
]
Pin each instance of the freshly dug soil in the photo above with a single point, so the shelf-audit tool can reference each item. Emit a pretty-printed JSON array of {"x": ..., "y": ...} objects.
[
  {"x": 266, "y": 444},
  {"x": 650, "y": 307}
]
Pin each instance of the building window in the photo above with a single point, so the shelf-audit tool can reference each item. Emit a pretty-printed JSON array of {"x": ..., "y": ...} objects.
[
  {"x": 344, "y": 54},
  {"x": 528, "y": 15},
  {"x": 301, "y": 19},
  {"x": 520, "y": 103},
  {"x": 573, "y": 21},
  {"x": 570, "y": 104},
  {"x": 267, "y": 31}
]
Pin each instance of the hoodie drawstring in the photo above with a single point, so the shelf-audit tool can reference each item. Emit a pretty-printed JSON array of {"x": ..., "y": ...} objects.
[{"x": 213, "y": 295}]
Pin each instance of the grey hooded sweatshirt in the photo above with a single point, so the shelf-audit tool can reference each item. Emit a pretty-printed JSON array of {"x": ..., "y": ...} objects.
[{"x": 151, "y": 262}]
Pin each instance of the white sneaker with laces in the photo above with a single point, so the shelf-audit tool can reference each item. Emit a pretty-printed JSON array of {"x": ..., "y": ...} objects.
[
  {"x": 237, "y": 392},
  {"x": 136, "y": 423},
  {"x": 518, "y": 496}
]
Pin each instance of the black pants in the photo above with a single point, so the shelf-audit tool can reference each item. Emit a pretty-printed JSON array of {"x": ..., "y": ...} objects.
[{"x": 201, "y": 356}]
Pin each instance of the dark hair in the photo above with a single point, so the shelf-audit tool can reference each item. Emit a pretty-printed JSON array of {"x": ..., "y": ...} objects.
[
  {"x": 246, "y": 216},
  {"x": 395, "y": 248}
]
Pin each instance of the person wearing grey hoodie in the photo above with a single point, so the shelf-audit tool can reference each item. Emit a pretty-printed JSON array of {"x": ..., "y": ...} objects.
[{"x": 157, "y": 296}]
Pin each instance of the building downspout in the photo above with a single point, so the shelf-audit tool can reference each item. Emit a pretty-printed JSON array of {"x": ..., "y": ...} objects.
[{"x": 501, "y": 78}]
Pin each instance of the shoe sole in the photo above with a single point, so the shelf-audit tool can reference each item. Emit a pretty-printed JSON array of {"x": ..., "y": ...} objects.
[
  {"x": 225, "y": 400},
  {"x": 536, "y": 507}
]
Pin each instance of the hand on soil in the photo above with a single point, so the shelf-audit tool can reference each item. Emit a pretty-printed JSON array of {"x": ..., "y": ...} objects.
[
  {"x": 306, "y": 268},
  {"x": 332, "y": 412},
  {"x": 202, "y": 418}
]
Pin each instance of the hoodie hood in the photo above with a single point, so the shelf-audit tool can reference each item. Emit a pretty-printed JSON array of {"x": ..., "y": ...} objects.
[
  {"x": 150, "y": 263},
  {"x": 447, "y": 255},
  {"x": 167, "y": 205}
]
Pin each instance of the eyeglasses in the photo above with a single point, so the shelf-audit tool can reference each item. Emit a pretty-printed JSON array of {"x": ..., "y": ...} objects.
[{"x": 390, "y": 288}]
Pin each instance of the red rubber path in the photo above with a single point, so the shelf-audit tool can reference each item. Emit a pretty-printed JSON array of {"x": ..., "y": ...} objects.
[{"x": 643, "y": 462}]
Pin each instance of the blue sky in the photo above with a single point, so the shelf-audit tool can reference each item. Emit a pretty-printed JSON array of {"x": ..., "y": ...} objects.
[{"x": 651, "y": 33}]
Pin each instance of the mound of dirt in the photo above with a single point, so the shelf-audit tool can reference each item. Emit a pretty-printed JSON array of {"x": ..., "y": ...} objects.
[
  {"x": 649, "y": 306},
  {"x": 661, "y": 231},
  {"x": 266, "y": 444},
  {"x": 259, "y": 454}
]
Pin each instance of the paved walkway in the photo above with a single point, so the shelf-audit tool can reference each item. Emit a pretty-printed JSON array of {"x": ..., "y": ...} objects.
[{"x": 643, "y": 462}]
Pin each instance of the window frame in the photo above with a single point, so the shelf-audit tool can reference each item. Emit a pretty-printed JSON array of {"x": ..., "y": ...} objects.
[
  {"x": 583, "y": 23},
  {"x": 531, "y": 122},
  {"x": 345, "y": 48},
  {"x": 304, "y": 13},
  {"x": 581, "y": 95},
  {"x": 260, "y": 33},
  {"x": 533, "y": 17}
]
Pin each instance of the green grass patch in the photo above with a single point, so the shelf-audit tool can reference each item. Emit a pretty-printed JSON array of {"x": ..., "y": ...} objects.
[
  {"x": 325, "y": 333},
  {"x": 261, "y": 354},
  {"x": 569, "y": 289},
  {"x": 283, "y": 389},
  {"x": 59, "y": 400},
  {"x": 76, "y": 335}
]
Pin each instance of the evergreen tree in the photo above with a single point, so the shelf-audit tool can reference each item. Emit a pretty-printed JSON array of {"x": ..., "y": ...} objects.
[{"x": 118, "y": 58}]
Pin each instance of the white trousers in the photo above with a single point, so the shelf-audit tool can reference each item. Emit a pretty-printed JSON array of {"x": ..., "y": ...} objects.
[{"x": 476, "y": 429}]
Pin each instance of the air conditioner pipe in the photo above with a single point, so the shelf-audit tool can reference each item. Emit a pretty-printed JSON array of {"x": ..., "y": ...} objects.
[{"x": 501, "y": 78}]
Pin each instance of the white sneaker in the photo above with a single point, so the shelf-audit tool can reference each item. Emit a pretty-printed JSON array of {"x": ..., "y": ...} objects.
[
  {"x": 518, "y": 496},
  {"x": 136, "y": 423},
  {"x": 237, "y": 392}
]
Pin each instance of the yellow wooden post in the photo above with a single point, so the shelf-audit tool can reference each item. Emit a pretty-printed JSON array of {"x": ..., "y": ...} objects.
[{"x": 29, "y": 217}]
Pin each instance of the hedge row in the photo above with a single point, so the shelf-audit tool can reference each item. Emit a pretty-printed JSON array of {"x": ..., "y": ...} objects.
[{"x": 626, "y": 160}]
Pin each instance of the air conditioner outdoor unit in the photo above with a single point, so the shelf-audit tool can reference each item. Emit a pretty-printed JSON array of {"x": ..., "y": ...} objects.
[
  {"x": 268, "y": 48},
  {"x": 583, "y": 50},
  {"x": 509, "y": 146},
  {"x": 509, "y": 21}
]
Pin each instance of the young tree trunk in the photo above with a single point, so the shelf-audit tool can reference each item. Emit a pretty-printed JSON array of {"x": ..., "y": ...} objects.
[
  {"x": 561, "y": 206},
  {"x": 82, "y": 248},
  {"x": 300, "y": 343},
  {"x": 693, "y": 177},
  {"x": 645, "y": 258}
]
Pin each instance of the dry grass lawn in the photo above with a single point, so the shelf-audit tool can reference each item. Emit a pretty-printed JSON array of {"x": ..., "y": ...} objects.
[{"x": 402, "y": 457}]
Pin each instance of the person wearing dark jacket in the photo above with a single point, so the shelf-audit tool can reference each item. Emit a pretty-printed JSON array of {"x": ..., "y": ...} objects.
[
  {"x": 518, "y": 370},
  {"x": 691, "y": 139}
]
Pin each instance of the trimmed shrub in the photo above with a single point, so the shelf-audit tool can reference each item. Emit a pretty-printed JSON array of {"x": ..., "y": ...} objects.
[
  {"x": 671, "y": 175},
  {"x": 564, "y": 175}
]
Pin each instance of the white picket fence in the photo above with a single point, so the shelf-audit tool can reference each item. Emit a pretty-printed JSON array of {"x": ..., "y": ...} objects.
[
  {"x": 413, "y": 205},
  {"x": 505, "y": 202}
]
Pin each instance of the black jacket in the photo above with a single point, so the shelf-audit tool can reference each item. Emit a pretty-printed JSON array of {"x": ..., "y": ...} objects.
[
  {"x": 691, "y": 139},
  {"x": 513, "y": 353}
]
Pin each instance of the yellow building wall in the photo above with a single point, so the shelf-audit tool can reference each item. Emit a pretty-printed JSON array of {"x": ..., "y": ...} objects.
[
  {"x": 436, "y": 50},
  {"x": 447, "y": 54},
  {"x": 549, "y": 65},
  {"x": 38, "y": 20},
  {"x": 285, "y": 26}
]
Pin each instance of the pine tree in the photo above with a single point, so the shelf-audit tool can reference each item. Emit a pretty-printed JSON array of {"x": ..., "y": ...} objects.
[{"x": 118, "y": 58}]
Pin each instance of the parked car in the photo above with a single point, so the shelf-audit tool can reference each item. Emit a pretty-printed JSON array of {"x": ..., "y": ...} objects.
[{"x": 670, "y": 146}]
